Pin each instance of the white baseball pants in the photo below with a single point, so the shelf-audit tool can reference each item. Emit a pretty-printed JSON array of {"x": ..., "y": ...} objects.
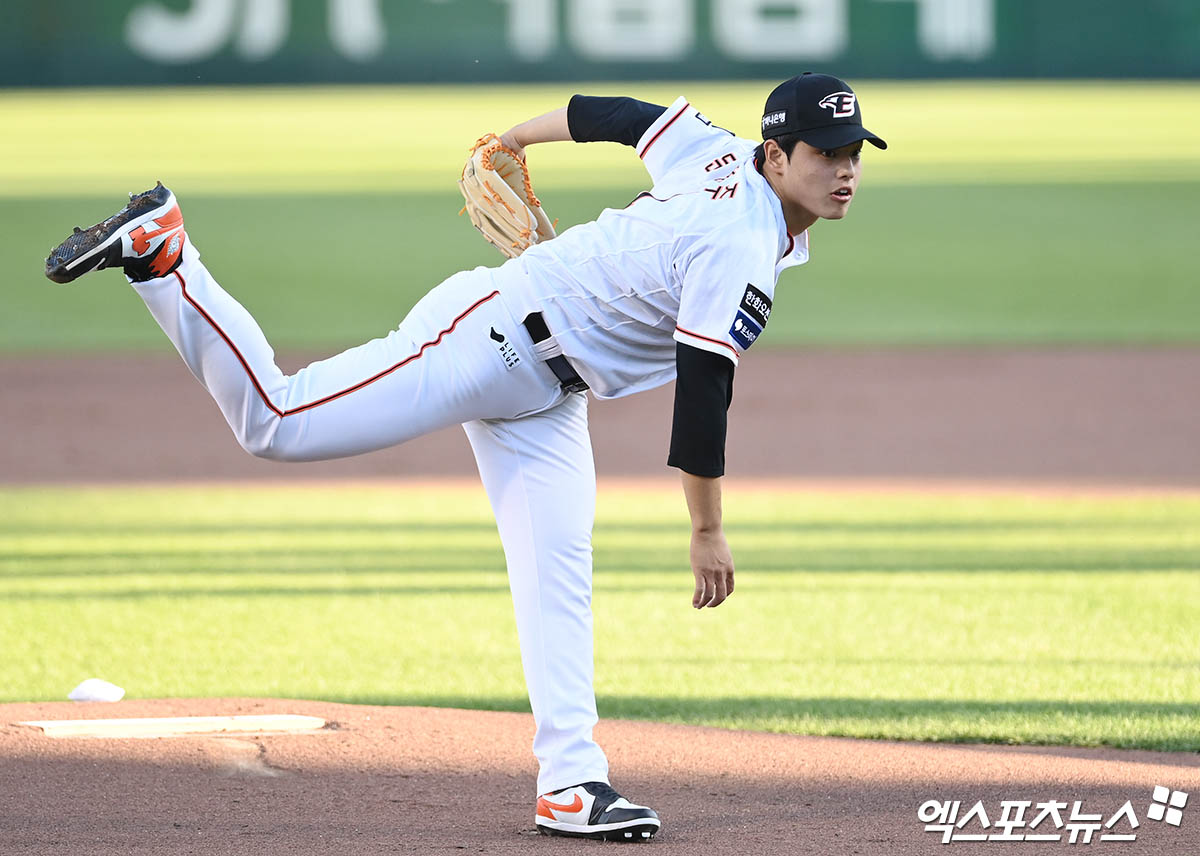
[{"x": 443, "y": 365}]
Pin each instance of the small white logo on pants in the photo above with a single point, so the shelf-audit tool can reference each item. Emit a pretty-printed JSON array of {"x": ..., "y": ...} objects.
[{"x": 506, "y": 350}]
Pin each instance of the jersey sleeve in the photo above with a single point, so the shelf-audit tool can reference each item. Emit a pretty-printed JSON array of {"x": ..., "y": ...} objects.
[
  {"x": 680, "y": 135},
  {"x": 721, "y": 308},
  {"x": 597, "y": 118},
  {"x": 703, "y": 393}
]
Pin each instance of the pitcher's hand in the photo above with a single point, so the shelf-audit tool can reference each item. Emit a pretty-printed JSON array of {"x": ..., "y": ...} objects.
[{"x": 712, "y": 566}]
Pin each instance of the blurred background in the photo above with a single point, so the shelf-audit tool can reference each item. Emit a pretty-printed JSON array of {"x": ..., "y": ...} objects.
[{"x": 1015, "y": 296}]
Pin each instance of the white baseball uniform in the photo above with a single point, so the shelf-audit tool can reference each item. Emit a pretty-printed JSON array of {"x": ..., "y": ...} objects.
[{"x": 694, "y": 261}]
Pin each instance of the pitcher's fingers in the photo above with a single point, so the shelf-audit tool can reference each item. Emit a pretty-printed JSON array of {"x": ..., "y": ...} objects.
[{"x": 720, "y": 592}]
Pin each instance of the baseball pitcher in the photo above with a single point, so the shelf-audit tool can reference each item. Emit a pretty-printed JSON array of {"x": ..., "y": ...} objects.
[{"x": 677, "y": 285}]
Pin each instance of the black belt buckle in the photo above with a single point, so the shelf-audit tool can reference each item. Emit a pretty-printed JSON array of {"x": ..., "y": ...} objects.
[
  {"x": 562, "y": 368},
  {"x": 577, "y": 385}
]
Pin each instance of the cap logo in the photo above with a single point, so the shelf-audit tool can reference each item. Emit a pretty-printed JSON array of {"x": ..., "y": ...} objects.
[
  {"x": 772, "y": 119},
  {"x": 841, "y": 103}
]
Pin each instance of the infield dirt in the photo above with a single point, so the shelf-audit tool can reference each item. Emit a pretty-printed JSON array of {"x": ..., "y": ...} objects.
[
  {"x": 418, "y": 780},
  {"x": 1078, "y": 416}
]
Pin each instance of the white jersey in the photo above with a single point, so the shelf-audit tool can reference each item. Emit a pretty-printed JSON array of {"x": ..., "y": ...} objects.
[{"x": 694, "y": 260}]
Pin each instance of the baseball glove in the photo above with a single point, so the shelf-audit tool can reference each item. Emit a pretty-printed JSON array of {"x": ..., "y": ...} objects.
[{"x": 500, "y": 199}]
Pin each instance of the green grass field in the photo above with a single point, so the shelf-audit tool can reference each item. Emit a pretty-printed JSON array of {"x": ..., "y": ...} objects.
[
  {"x": 1026, "y": 620},
  {"x": 1001, "y": 212}
]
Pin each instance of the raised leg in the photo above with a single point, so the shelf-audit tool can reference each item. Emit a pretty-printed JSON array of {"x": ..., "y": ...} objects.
[{"x": 440, "y": 367}]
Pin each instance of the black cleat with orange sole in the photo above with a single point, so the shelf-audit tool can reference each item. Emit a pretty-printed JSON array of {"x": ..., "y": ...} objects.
[{"x": 145, "y": 238}]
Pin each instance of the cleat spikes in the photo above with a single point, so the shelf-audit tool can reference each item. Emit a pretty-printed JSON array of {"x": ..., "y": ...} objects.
[
  {"x": 145, "y": 238},
  {"x": 594, "y": 811}
]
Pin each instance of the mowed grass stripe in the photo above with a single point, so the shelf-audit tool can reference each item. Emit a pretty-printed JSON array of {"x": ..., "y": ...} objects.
[
  {"x": 905, "y": 616},
  {"x": 911, "y": 265},
  {"x": 1001, "y": 213},
  {"x": 414, "y": 138}
]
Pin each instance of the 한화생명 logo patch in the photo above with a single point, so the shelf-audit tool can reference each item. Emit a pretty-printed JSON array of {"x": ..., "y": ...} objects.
[{"x": 757, "y": 305}]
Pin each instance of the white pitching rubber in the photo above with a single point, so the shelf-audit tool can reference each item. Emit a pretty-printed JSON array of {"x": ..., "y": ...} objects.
[{"x": 178, "y": 726}]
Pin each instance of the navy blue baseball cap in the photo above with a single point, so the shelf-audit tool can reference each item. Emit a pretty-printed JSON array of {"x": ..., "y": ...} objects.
[{"x": 822, "y": 109}]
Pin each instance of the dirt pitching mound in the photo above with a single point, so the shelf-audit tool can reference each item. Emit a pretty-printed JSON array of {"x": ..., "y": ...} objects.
[{"x": 421, "y": 780}]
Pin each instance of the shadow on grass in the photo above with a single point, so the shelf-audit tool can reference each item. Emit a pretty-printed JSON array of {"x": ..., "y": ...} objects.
[
  {"x": 15, "y": 565},
  {"x": 787, "y": 658},
  {"x": 1027, "y": 722},
  {"x": 604, "y": 528}
]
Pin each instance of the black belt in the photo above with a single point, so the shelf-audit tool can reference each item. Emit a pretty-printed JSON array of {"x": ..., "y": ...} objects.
[{"x": 563, "y": 370}]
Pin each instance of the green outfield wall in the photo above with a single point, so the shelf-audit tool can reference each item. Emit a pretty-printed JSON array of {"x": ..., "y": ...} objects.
[{"x": 138, "y": 42}]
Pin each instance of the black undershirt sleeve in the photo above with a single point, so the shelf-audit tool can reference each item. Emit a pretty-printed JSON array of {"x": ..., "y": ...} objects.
[
  {"x": 598, "y": 118},
  {"x": 703, "y": 393}
]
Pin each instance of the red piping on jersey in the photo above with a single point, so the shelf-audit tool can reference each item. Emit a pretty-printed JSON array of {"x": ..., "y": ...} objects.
[
  {"x": 646, "y": 194},
  {"x": 705, "y": 338},
  {"x": 654, "y": 139},
  {"x": 262, "y": 393}
]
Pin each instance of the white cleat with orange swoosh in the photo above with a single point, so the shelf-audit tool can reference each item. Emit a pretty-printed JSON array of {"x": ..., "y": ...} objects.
[{"x": 595, "y": 810}]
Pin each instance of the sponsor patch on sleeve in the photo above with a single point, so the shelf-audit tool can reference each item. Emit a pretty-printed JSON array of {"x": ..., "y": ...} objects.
[
  {"x": 757, "y": 305},
  {"x": 745, "y": 330}
]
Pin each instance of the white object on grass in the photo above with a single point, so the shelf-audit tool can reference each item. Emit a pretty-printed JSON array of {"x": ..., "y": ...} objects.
[{"x": 94, "y": 689}]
